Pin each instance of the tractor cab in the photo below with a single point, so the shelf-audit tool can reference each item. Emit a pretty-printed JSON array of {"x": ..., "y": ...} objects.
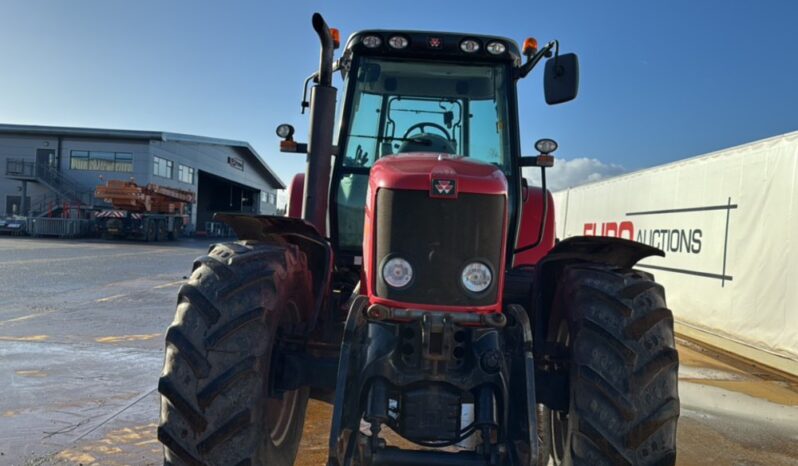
[
  {"x": 440, "y": 94},
  {"x": 420, "y": 93}
]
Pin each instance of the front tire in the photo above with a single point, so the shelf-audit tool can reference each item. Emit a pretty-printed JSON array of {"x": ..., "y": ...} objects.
[
  {"x": 623, "y": 364},
  {"x": 215, "y": 405}
]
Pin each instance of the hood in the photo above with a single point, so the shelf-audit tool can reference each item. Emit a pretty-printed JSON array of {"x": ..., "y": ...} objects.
[{"x": 444, "y": 175}]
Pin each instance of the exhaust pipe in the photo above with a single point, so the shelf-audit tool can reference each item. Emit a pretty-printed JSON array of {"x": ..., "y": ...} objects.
[{"x": 322, "y": 119}]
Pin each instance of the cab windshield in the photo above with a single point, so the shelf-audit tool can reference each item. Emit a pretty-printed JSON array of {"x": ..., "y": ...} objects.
[
  {"x": 400, "y": 107},
  {"x": 404, "y": 107}
]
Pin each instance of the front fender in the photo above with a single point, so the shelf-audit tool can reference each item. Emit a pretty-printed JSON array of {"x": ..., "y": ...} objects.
[
  {"x": 279, "y": 230},
  {"x": 616, "y": 252}
]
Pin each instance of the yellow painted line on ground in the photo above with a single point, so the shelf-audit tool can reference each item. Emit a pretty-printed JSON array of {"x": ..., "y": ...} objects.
[
  {"x": 31, "y": 373},
  {"x": 117, "y": 447},
  {"x": 111, "y": 298},
  {"x": 28, "y": 338},
  {"x": 121, "y": 338},
  {"x": 146, "y": 442},
  {"x": 10, "y": 413},
  {"x": 166, "y": 285},
  {"x": 26, "y": 317}
]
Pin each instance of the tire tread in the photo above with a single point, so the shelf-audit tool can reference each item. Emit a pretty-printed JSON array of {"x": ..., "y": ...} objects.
[
  {"x": 624, "y": 364},
  {"x": 217, "y": 360}
]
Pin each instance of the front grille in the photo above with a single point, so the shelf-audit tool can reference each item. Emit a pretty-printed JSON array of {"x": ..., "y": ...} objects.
[{"x": 438, "y": 237}]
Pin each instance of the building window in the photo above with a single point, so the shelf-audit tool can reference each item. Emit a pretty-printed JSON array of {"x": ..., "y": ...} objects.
[
  {"x": 162, "y": 167},
  {"x": 79, "y": 160},
  {"x": 185, "y": 174},
  {"x": 101, "y": 161},
  {"x": 268, "y": 198},
  {"x": 123, "y": 162}
]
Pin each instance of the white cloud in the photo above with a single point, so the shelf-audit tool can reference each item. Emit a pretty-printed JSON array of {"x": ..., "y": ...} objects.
[{"x": 569, "y": 173}]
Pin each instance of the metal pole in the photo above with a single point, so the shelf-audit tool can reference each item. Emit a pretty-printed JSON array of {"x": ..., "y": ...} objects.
[{"x": 24, "y": 203}]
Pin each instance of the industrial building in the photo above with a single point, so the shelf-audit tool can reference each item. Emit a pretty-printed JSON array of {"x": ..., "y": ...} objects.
[{"x": 46, "y": 168}]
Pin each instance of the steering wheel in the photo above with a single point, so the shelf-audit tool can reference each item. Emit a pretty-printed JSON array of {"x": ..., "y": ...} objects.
[{"x": 425, "y": 124}]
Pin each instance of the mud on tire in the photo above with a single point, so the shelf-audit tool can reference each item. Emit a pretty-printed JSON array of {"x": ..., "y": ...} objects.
[
  {"x": 215, "y": 408},
  {"x": 624, "y": 402}
]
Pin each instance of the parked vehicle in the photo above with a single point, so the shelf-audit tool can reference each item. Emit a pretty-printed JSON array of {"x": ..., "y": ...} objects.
[
  {"x": 152, "y": 212},
  {"x": 436, "y": 304}
]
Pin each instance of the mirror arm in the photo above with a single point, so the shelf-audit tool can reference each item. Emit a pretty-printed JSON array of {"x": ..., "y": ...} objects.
[
  {"x": 315, "y": 79},
  {"x": 533, "y": 60},
  {"x": 305, "y": 103}
]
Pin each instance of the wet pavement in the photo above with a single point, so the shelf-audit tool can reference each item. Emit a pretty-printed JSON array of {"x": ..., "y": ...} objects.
[{"x": 81, "y": 347}]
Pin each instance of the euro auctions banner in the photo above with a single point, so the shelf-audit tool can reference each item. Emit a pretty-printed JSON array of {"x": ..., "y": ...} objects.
[{"x": 728, "y": 223}]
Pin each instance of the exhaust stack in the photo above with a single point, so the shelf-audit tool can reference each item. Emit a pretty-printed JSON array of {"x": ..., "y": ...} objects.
[{"x": 322, "y": 118}]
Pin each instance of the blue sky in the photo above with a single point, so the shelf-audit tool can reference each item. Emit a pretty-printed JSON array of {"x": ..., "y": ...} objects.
[{"x": 660, "y": 80}]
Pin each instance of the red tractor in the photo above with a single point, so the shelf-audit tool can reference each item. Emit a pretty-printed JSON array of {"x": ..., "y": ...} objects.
[{"x": 417, "y": 286}]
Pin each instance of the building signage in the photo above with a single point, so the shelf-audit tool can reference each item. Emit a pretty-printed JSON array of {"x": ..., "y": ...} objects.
[
  {"x": 683, "y": 233},
  {"x": 236, "y": 163}
]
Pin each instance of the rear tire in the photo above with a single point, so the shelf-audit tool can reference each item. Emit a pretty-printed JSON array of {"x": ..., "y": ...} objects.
[
  {"x": 215, "y": 406},
  {"x": 624, "y": 402}
]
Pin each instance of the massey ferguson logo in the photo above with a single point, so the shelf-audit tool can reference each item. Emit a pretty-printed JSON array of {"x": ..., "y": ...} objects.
[
  {"x": 435, "y": 42},
  {"x": 444, "y": 188}
]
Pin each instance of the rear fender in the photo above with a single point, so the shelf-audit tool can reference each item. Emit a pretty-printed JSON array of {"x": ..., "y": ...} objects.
[
  {"x": 295, "y": 190},
  {"x": 280, "y": 230},
  {"x": 529, "y": 231},
  {"x": 614, "y": 252}
]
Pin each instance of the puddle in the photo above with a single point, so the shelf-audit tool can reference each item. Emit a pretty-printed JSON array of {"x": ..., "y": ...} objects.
[
  {"x": 705, "y": 397},
  {"x": 776, "y": 392},
  {"x": 703, "y": 373}
]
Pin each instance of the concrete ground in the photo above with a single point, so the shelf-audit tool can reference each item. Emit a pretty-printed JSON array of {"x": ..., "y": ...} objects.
[{"x": 81, "y": 345}]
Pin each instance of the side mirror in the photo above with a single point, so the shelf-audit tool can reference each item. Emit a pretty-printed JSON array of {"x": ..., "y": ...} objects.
[{"x": 561, "y": 78}]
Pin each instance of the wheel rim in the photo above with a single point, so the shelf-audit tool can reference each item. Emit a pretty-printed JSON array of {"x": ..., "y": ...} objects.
[
  {"x": 559, "y": 429},
  {"x": 279, "y": 416},
  {"x": 280, "y": 413},
  {"x": 559, "y": 419}
]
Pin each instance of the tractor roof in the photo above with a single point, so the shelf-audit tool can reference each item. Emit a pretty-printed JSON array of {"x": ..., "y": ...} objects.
[{"x": 428, "y": 44}]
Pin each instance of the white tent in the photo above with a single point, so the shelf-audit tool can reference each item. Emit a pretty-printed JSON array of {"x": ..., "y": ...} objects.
[{"x": 728, "y": 223}]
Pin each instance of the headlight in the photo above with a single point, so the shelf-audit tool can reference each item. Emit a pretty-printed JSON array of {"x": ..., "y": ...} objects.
[
  {"x": 476, "y": 277},
  {"x": 546, "y": 146},
  {"x": 397, "y": 272},
  {"x": 469, "y": 46},
  {"x": 371, "y": 42},
  {"x": 495, "y": 48},
  {"x": 285, "y": 131},
  {"x": 398, "y": 42}
]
